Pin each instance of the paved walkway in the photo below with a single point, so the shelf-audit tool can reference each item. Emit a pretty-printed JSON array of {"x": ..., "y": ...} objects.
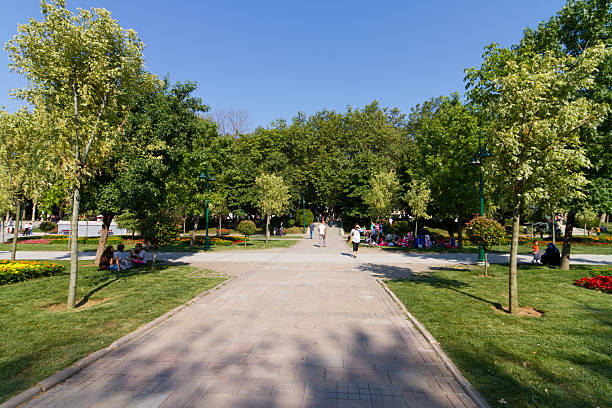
[
  {"x": 294, "y": 330},
  {"x": 302, "y": 253}
]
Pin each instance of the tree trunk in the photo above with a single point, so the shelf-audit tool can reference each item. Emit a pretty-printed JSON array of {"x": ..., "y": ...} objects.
[
  {"x": 267, "y": 228},
  {"x": 194, "y": 232},
  {"x": 567, "y": 240},
  {"x": 106, "y": 221},
  {"x": 460, "y": 233},
  {"x": 86, "y": 230},
  {"x": 486, "y": 264},
  {"x": 184, "y": 226},
  {"x": 554, "y": 233},
  {"x": 512, "y": 283},
  {"x": 220, "y": 226},
  {"x": 16, "y": 228},
  {"x": 602, "y": 219},
  {"x": 33, "y": 212},
  {"x": 74, "y": 250},
  {"x": 154, "y": 258}
]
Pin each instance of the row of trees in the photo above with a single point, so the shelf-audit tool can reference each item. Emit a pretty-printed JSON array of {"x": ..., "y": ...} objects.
[{"x": 103, "y": 135}]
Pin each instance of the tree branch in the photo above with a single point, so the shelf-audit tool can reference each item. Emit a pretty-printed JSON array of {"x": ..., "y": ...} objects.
[{"x": 93, "y": 132}]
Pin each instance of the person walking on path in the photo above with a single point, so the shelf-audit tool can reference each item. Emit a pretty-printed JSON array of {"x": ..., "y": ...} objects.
[
  {"x": 356, "y": 238},
  {"x": 312, "y": 227},
  {"x": 322, "y": 234}
]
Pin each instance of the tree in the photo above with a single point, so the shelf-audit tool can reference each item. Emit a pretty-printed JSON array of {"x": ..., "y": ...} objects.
[
  {"x": 272, "y": 197},
  {"x": 535, "y": 117},
  {"x": 232, "y": 121},
  {"x": 246, "y": 228},
  {"x": 485, "y": 232},
  {"x": 159, "y": 229},
  {"x": 79, "y": 67},
  {"x": 24, "y": 157},
  {"x": 381, "y": 197},
  {"x": 418, "y": 197},
  {"x": 581, "y": 24},
  {"x": 218, "y": 207},
  {"x": 444, "y": 132}
]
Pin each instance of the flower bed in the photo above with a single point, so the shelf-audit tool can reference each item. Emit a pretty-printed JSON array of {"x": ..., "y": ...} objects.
[
  {"x": 16, "y": 271},
  {"x": 599, "y": 282}
]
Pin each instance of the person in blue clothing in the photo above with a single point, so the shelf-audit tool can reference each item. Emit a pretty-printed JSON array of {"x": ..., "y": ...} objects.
[{"x": 312, "y": 227}]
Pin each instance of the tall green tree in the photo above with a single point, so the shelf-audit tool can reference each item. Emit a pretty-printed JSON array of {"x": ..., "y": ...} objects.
[
  {"x": 581, "y": 24},
  {"x": 536, "y": 117},
  {"x": 382, "y": 196},
  {"x": 272, "y": 197},
  {"x": 418, "y": 197},
  {"x": 444, "y": 132},
  {"x": 79, "y": 66}
]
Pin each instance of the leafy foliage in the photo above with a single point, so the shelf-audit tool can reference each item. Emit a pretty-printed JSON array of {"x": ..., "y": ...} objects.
[
  {"x": 485, "y": 232},
  {"x": 246, "y": 228}
]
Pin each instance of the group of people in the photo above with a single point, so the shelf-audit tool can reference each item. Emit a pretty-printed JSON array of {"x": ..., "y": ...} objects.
[
  {"x": 26, "y": 231},
  {"x": 120, "y": 259},
  {"x": 551, "y": 255}
]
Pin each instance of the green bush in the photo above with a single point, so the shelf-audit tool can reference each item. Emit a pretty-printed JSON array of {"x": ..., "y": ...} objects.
[
  {"x": 246, "y": 228},
  {"x": 401, "y": 228},
  {"x": 47, "y": 226},
  {"x": 299, "y": 217},
  {"x": 17, "y": 271}
]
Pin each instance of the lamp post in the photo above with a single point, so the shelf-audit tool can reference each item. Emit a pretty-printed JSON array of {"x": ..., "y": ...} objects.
[
  {"x": 304, "y": 214},
  {"x": 477, "y": 160},
  {"x": 208, "y": 177}
]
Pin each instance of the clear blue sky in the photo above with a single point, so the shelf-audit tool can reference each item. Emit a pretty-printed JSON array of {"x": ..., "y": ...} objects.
[{"x": 275, "y": 58}]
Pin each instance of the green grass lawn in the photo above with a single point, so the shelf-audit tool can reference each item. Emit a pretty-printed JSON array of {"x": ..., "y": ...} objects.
[
  {"x": 39, "y": 337},
  {"x": 561, "y": 359}
]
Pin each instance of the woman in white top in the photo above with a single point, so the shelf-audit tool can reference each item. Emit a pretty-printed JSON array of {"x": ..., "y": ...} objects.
[{"x": 356, "y": 238}]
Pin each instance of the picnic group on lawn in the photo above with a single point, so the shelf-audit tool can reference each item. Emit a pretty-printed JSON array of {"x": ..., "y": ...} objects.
[{"x": 120, "y": 259}]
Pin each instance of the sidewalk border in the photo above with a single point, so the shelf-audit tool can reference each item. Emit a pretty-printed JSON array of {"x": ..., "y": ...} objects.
[
  {"x": 50, "y": 382},
  {"x": 469, "y": 389}
]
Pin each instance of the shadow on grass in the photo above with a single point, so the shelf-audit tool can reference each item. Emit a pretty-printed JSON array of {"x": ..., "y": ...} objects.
[{"x": 107, "y": 277}]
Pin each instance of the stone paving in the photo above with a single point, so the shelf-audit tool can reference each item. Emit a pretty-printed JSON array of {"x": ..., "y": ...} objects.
[{"x": 282, "y": 334}]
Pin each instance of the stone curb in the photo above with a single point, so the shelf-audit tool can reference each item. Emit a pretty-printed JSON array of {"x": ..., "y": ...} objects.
[
  {"x": 469, "y": 389},
  {"x": 68, "y": 372}
]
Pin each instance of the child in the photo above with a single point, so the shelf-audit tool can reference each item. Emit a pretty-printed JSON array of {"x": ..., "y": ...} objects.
[{"x": 535, "y": 251}]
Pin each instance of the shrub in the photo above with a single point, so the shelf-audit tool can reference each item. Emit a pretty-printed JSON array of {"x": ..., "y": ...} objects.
[
  {"x": 485, "y": 232},
  {"x": 299, "y": 217},
  {"x": 401, "y": 228},
  {"x": 17, "y": 271},
  {"x": 47, "y": 226},
  {"x": 246, "y": 228}
]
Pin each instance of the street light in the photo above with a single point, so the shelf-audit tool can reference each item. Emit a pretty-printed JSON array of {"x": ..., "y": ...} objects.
[
  {"x": 477, "y": 160},
  {"x": 208, "y": 177}
]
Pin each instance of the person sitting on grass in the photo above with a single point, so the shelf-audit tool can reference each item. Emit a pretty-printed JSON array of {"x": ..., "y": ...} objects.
[
  {"x": 106, "y": 258},
  {"x": 122, "y": 259},
  {"x": 138, "y": 255}
]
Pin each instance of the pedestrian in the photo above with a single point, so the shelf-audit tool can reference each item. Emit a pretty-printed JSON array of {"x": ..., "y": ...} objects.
[
  {"x": 322, "y": 234},
  {"x": 356, "y": 238},
  {"x": 536, "y": 252},
  {"x": 312, "y": 227}
]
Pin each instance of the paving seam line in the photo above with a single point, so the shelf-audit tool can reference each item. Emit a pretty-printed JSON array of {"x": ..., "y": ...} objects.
[
  {"x": 50, "y": 382},
  {"x": 469, "y": 389}
]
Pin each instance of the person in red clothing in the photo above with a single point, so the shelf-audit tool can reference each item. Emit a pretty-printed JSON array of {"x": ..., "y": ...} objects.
[{"x": 536, "y": 252}]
